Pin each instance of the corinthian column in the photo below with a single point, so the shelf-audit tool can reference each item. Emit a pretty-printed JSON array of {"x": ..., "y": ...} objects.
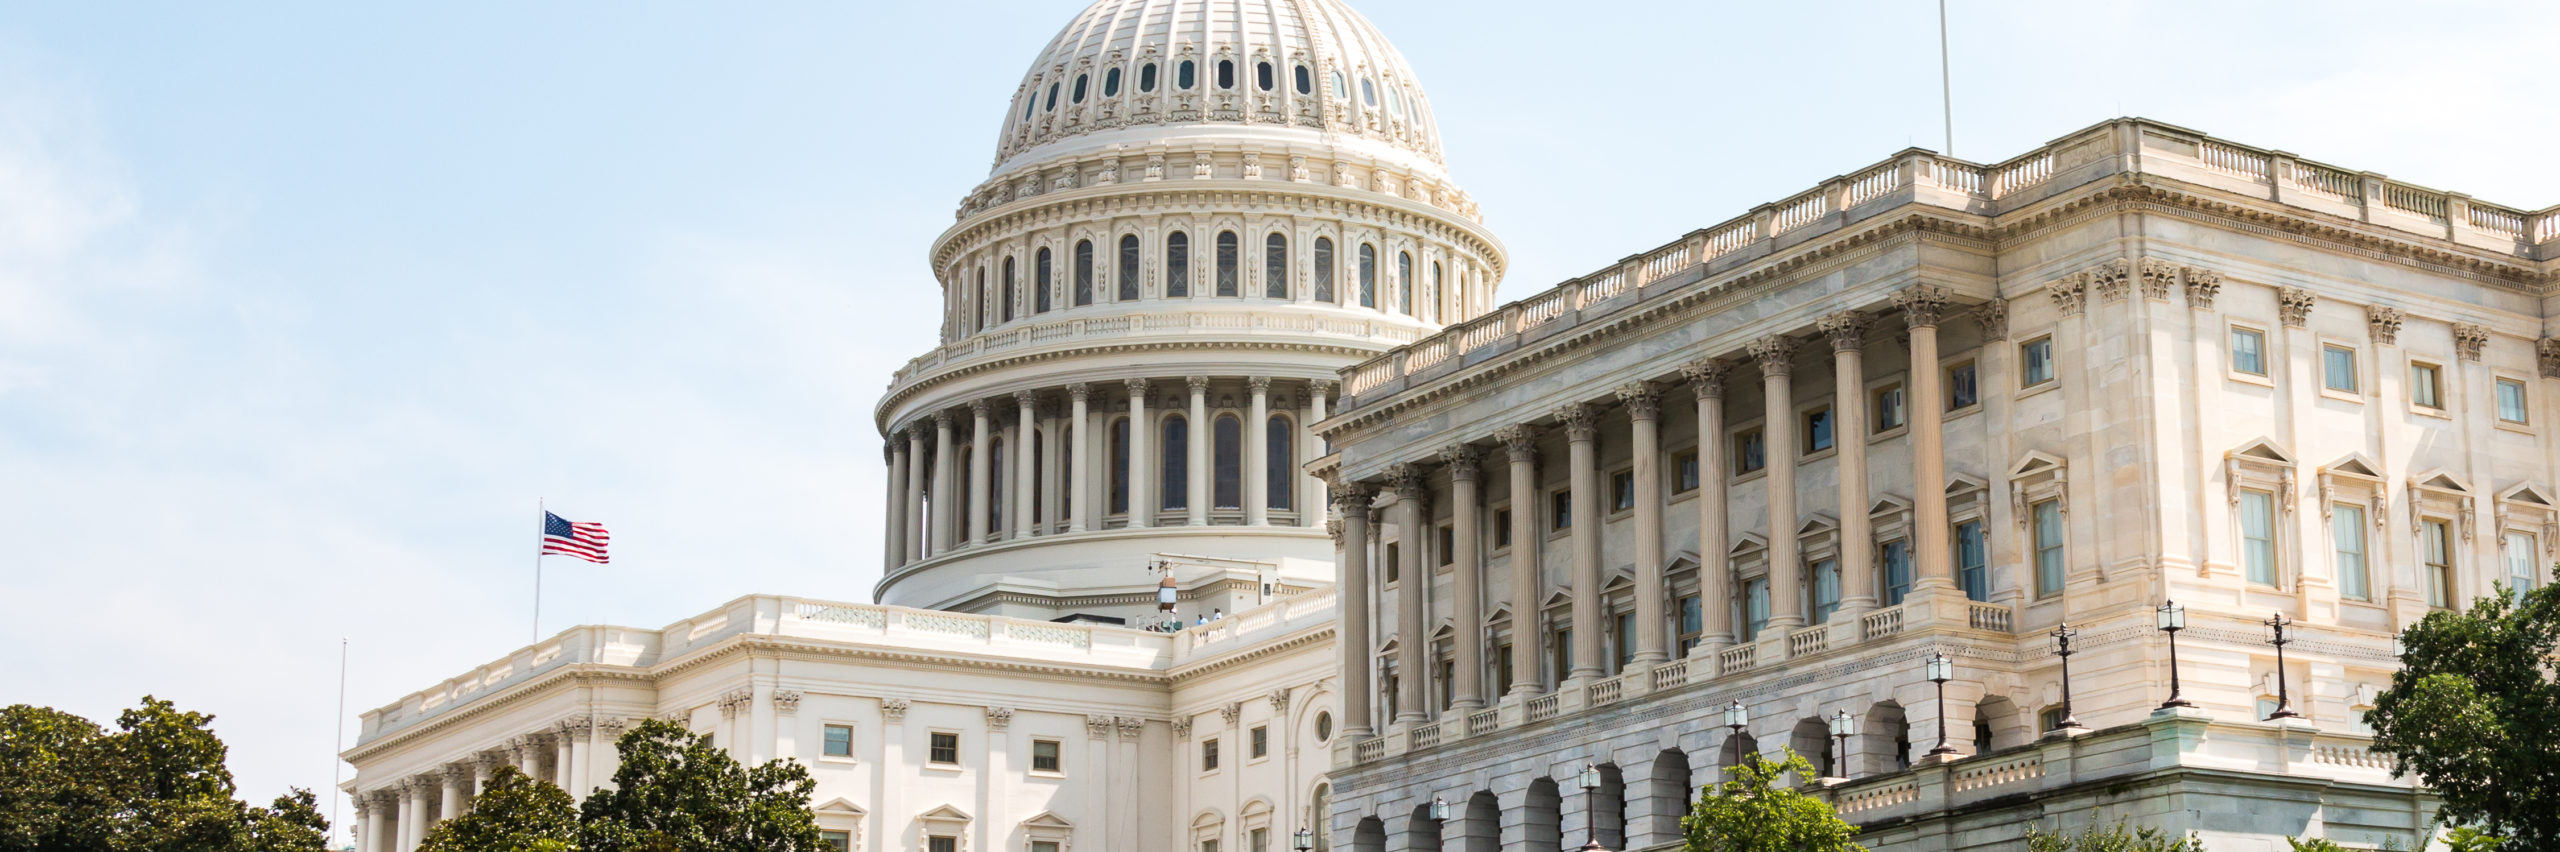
[
  {"x": 1786, "y": 562},
  {"x": 1312, "y": 505},
  {"x": 1413, "y": 614},
  {"x": 1196, "y": 478},
  {"x": 946, "y": 517},
  {"x": 896, "y": 535},
  {"x": 1256, "y": 464},
  {"x": 914, "y": 516},
  {"x": 1466, "y": 579},
  {"x": 1025, "y": 480},
  {"x": 1141, "y": 464},
  {"x": 980, "y": 448},
  {"x": 1080, "y": 515},
  {"x": 1351, "y": 504},
  {"x": 1921, "y": 305},
  {"x": 1644, "y": 413},
  {"x": 1582, "y": 429},
  {"x": 1715, "y": 568},
  {"x": 1520, "y": 449},
  {"x": 1848, "y": 332}
]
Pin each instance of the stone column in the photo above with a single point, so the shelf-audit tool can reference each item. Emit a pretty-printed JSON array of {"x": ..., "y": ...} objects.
[
  {"x": 1848, "y": 332},
  {"x": 1786, "y": 562},
  {"x": 981, "y": 445},
  {"x": 1080, "y": 516},
  {"x": 450, "y": 787},
  {"x": 1024, "y": 481},
  {"x": 894, "y": 540},
  {"x": 1520, "y": 449},
  {"x": 1413, "y": 612},
  {"x": 368, "y": 829},
  {"x": 1466, "y": 578},
  {"x": 914, "y": 515},
  {"x": 577, "y": 732},
  {"x": 1142, "y": 500},
  {"x": 1312, "y": 504},
  {"x": 1715, "y": 569},
  {"x": 1644, "y": 412},
  {"x": 483, "y": 766},
  {"x": 1351, "y": 502},
  {"x": 1922, "y": 305},
  {"x": 1053, "y": 468},
  {"x": 1196, "y": 456},
  {"x": 560, "y": 759},
  {"x": 1257, "y": 453},
  {"x": 1582, "y": 429},
  {"x": 946, "y": 517},
  {"x": 413, "y": 813}
]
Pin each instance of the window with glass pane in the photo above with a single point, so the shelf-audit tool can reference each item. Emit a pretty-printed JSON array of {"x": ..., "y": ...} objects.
[
  {"x": 1431, "y": 295},
  {"x": 1147, "y": 77},
  {"x": 1393, "y": 563},
  {"x": 1560, "y": 654},
  {"x": 840, "y": 841},
  {"x": 2258, "y": 536},
  {"x": 1185, "y": 74},
  {"x": 1084, "y": 272},
  {"x": 1078, "y": 96},
  {"x": 2435, "y": 546},
  {"x": 2338, "y": 369},
  {"x": 1119, "y": 465},
  {"x": 1501, "y": 528},
  {"x": 1625, "y": 639},
  {"x": 1826, "y": 589},
  {"x": 1305, "y": 81},
  {"x": 1006, "y": 310},
  {"x": 1622, "y": 491},
  {"x": 1684, "y": 472},
  {"x": 1750, "y": 451},
  {"x": 2249, "y": 351},
  {"x": 1177, "y": 265},
  {"x": 1964, "y": 388},
  {"x": 1888, "y": 406},
  {"x": 2511, "y": 401},
  {"x": 1755, "y": 607},
  {"x": 1368, "y": 275},
  {"x": 940, "y": 843},
  {"x": 1279, "y": 466},
  {"x": 1128, "y": 268},
  {"x": 1897, "y": 571},
  {"x": 1817, "y": 430},
  {"x": 2521, "y": 576},
  {"x": 1404, "y": 283},
  {"x": 1226, "y": 74},
  {"x": 1111, "y": 83},
  {"x": 1324, "y": 269},
  {"x": 1226, "y": 264},
  {"x": 1446, "y": 547},
  {"x": 1040, "y": 283},
  {"x": 1560, "y": 510},
  {"x": 944, "y": 748},
  {"x": 2047, "y": 525},
  {"x": 1226, "y": 442},
  {"x": 839, "y": 741},
  {"x": 1263, "y": 77},
  {"x": 2346, "y": 532},
  {"x": 1208, "y": 754},
  {"x": 1973, "y": 561},
  {"x": 1045, "y": 756},
  {"x": 2424, "y": 386},
  {"x": 1044, "y": 846},
  {"x": 2035, "y": 362},
  {"x": 1693, "y": 621},
  {"x": 1502, "y": 669},
  {"x": 1275, "y": 267},
  {"x": 1261, "y": 739},
  {"x": 1175, "y": 463}
]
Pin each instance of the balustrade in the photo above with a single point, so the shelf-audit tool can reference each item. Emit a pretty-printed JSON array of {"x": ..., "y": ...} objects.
[{"x": 1987, "y": 616}]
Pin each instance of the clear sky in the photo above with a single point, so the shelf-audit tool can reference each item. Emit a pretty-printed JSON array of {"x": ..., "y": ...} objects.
[{"x": 303, "y": 306}]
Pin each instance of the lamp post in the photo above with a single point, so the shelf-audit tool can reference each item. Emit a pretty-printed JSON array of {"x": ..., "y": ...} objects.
[
  {"x": 2284, "y": 697},
  {"x": 1841, "y": 727},
  {"x": 1439, "y": 809},
  {"x": 2062, "y": 634},
  {"x": 1736, "y": 719},
  {"x": 1306, "y": 840},
  {"x": 2173, "y": 618},
  {"x": 1941, "y": 670},
  {"x": 1591, "y": 806}
]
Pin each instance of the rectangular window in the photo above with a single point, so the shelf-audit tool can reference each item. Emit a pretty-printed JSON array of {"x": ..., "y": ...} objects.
[
  {"x": 1044, "y": 846},
  {"x": 2435, "y": 546},
  {"x": 1045, "y": 756},
  {"x": 1501, "y": 528},
  {"x": 2346, "y": 531},
  {"x": 1208, "y": 754},
  {"x": 2035, "y": 362},
  {"x": 840, "y": 841},
  {"x": 1973, "y": 560},
  {"x": 1258, "y": 840},
  {"x": 1502, "y": 669},
  {"x": 1750, "y": 450},
  {"x": 1560, "y": 510},
  {"x": 1897, "y": 571},
  {"x": 2248, "y": 351},
  {"x": 1964, "y": 386},
  {"x": 1693, "y": 621},
  {"x": 1448, "y": 544},
  {"x": 1260, "y": 740},
  {"x": 839, "y": 739},
  {"x": 1561, "y": 655},
  {"x": 1755, "y": 607},
  {"x": 1625, "y": 628},
  {"x": 1817, "y": 430},
  {"x": 1888, "y": 408},
  {"x": 944, "y": 749},
  {"x": 1826, "y": 589},
  {"x": 2521, "y": 576},
  {"x": 2258, "y": 536},
  {"x": 1622, "y": 491},
  {"x": 1684, "y": 472},
  {"x": 2425, "y": 386},
  {"x": 1393, "y": 560},
  {"x": 2511, "y": 401},
  {"x": 2338, "y": 369},
  {"x": 2047, "y": 524},
  {"x": 1209, "y": 845},
  {"x": 939, "y": 843}
]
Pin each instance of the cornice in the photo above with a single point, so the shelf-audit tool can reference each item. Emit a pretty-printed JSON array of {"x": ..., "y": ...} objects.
[
  {"x": 1321, "y": 632},
  {"x": 1217, "y": 197},
  {"x": 485, "y": 704},
  {"x": 1290, "y": 342}
]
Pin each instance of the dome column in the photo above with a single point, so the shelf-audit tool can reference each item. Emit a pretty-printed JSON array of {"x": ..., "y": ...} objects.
[
  {"x": 1142, "y": 501},
  {"x": 980, "y": 447},
  {"x": 1195, "y": 487},
  {"x": 1023, "y": 481},
  {"x": 896, "y": 537},
  {"x": 946, "y": 517},
  {"x": 1079, "y": 481},
  {"x": 1256, "y": 463},
  {"x": 915, "y": 520}
]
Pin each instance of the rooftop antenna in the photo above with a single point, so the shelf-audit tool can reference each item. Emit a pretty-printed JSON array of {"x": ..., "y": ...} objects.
[{"x": 1946, "y": 83}]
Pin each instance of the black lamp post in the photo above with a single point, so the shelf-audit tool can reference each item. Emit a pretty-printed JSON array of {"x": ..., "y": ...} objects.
[
  {"x": 1841, "y": 727},
  {"x": 1306, "y": 841},
  {"x": 2062, "y": 634},
  {"x": 1591, "y": 806},
  {"x": 1736, "y": 719},
  {"x": 2284, "y": 697},
  {"x": 2173, "y": 618},
  {"x": 1941, "y": 670}
]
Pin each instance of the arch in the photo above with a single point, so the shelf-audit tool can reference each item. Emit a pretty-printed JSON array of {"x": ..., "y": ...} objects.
[
  {"x": 1119, "y": 464},
  {"x": 1996, "y": 725},
  {"x": 1608, "y": 804},
  {"x": 1369, "y": 835},
  {"x": 1226, "y": 263},
  {"x": 1041, "y": 272},
  {"x": 1542, "y": 815},
  {"x": 1323, "y": 269},
  {"x": 1084, "y": 272},
  {"x": 1480, "y": 825},
  {"x": 1736, "y": 747},
  {"x": 1320, "y": 815},
  {"x": 1884, "y": 739},
  {"x": 1421, "y": 831},
  {"x": 1005, "y": 310},
  {"x": 1812, "y": 738},
  {"x": 1280, "y": 464},
  {"x": 1404, "y": 284},
  {"x": 1664, "y": 799},
  {"x": 1368, "y": 275},
  {"x": 1435, "y": 296},
  {"x": 1177, "y": 265},
  {"x": 1226, "y": 465},
  {"x": 1174, "y": 462},
  {"x": 1128, "y": 268},
  {"x": 1275, "y": 266}
]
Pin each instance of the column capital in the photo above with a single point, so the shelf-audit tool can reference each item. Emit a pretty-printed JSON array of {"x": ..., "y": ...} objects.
[
  {"x": 889, "y": 449},
  {"x": 1519, "y": 442},
  {"x": 1463, "y": 461},
  {"x": 1643, "y": 400},
  {"x": 2157, "y": 276},
  {"x": 1137, "y": 388},
  {"x": 1079, "y": 391},
  {"x": 2202, "y": 285},
  {"x": 1994, "y": 318},
  {"x": 2469, "y": 339},
  {"x": 1350, "y": 495},
  {"x": 894, "y": 709},
  {"x": 2070, "y": 293},
  {"x": 2383, "y": 322},
  {"x": 1847, "y": 330},
  {"x": 1026, "y": 399},
  {"x": 1048, "y": 407},
  {"x": 1198, "y": 384},
  {"x": 1774, "y": 353},
  {"x": 1333, "y": 529},
  {"x": 2293, "y": 306},
  {"x": 2111, "y": 279},
  {"x": 1258, "y": 384},
  {"x": 999, "y": 718},
  {"x": 1409, "y": 480},
  {"x": 1706, "y": 376},
  {"x": 1581, "y": 421},
  {"x": 942, "y": 418},
  {"x": 1922, "y": 304},
  {"x": 978, "y": 408},
  {"x": 917, "y": 432},
  {"x": 1320, "y": 387}
]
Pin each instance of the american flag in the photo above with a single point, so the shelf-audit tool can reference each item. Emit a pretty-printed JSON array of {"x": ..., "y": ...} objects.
[{"x": 585, "y": 541}]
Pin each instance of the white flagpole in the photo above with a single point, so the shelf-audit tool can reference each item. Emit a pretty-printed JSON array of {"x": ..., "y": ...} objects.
[
  {"x": 337, "y": 767},
  {"x": 1946, "y": 80},
  {"x": 542, "y": 520}
]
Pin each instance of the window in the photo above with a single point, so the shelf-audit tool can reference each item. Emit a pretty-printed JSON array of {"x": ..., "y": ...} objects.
[
  {"x": 2049, "y": 720},
  {"x": 1084, "y": 272},
  {"x": 1120, "y": 464},
  {"x": 1305, "y": 80},
  {"x": 1750, "y": 450},
  {"x": 1030, "y": 103},
  {"x": 1448, "y": 545},
  {"x": 2035, "y": 362},
  {"x": 1177, "y": 265},
  {"x": 2511, "y": 401},
  {"x": 1431, "y": 296},
  {"x": 1044, "y": 846},
  {"x": 944, "y": 749},
  {"x": 1755, "y": 607},
  {"x": 1078, "y": 97},
  {"x": 1502, "y": 669},
  {"x": 2426, "y": 386},
  {"x": 2521, "y": 576},
  {"x": 1368, "y": 92},
  {"x": 1209, "y": 844},
  {"x": 1052, "y": 105},
  {"x": 1826, "y": 589},
  {"x": 1175, "y": 462},
  {"x": 1501, "y": 528},
  {"x": 1128, "y": 267},
  {"x": 1226, "y": 73},
  {"x": 1622, "y": 491},
  {"x": 985, "y": 310},
  {"x": 1625, "y": 628},
  {"x": 2435, "y": 546},
  {"x": 1040, "y": 282},
  {"x": 1964, "y": 386},
  {"x": 1279, "y": 466},
  {"x": 1264, "y": 76},
  {"x": 1324, "y": 269},
  {"x": 1275, "y": 267},
  {"x": 1226, "y": 469},
  {"x": 2248, "y": 351},
  {"x": 1817, "y": 430},
  {"x": 1368, "y": 275},
  {"x": 2346, "y": 530},
  {"x": 1147, "y": 77},
  {"x": 1560, "y": 510},
  {"x": 2338, "y": 369},
  {"x": 2047, "y": 523},
  {"x": 1561, "y": 653},
  {"x": 1324, "y": 725},
  {"x": 1340, "y": 89},
  {"x": 1258, "y": 840},
  {"x": 1896, "y": 557},
  {"x": 1261, "y": 740},
  {"x": 2258, "y": 536},
  {"x": 1888, "y": 408},
  {"x": 840, "y": 841},
  {"x": 1684, "y": 471},
  {"x": 1404, "y": 284},
  {"x": 941, "y": 843},
  {"x": 1693, "y": 621},
  {"x": 1184, "y": 75},
  {"x": 1973, "y": 561},
  {"x": 1045, "y": 756},
  {"x": 839, "y": 741},
  {"x": 1006, "y": 310},
  {"x": 1111, "y": 83},
  {"x": 1209, "y": 754},
  {"x": 1394, "y": 564}
]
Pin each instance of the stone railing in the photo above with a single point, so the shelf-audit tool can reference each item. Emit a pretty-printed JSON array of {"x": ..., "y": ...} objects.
[
  {"x": 1068, "y": 328},
  {"x": 1483, "y": 722},
  {"x": 1606, "y": 691},
  {"x": 1997, "y": 618},
  {"x": 1922, "y": 177},
  {"x": 1670, "y": 674},
  {"x": 1285, "y": 615},
  {"x": 1880, "y": 623},
  {"x": 1809, "y": 640},
  {"x": 1736, "y": 659},
  {"x": 1544, "y": 707}
]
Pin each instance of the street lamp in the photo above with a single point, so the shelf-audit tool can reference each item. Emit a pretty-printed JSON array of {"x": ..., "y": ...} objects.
[
  {"x": 1439, "y": 809},
  {"x": 2173, "y": 618},
  {"x": 1841, "y": 727},
  {"x": 1306, "y": 840},
  {"x": 1591, "y": 806},
  {"x": 1941, "y": 670},
  {"x": 2284, "y": 697},
  {"x": 2062, "y": 634}
]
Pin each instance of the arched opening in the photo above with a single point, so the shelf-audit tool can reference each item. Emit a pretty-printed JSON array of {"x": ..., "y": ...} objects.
[
  {"x": 995, "y": 487},
  {"x": 985, "y": 313},
  {"x": 1084, "y": 272},
  {"x": 1995, "y": 725},
  {"x": 1226, "y": 73},
  {"x": 1275, "y": 267},
  {"x": 1078, "y": 96},
  {"x": 1175, "y": 462},
  {"x": 1320, "y": 816},
  {"x": 1128, "y": 267},
  {"x": 1264, "y": 77},
  {"x": 1812, "y": 738},
  {"x": 1052, "y": 104},
  {"x": 1664, "y": 801},
  {"x": 1736, "y": 748},
  {"x": 1324, "y": 269},
  {"x": 1226, "y": 265},
  {"x": 1404, "y": 284},
  {"x": 1184, "y": 75},
  {"x": 1481, "y": 828},
  {"x": 1608, "y": 806},
  {"x": 1421, "y": 831},
  {"x": 1005, "y": 309},
  {"x": 1119, "y": 465},
  {"x": 1368, "y": 275},
  {"x": 1542, "y": 816},
  {"x": 1226, "y": 444},
  {"x": 1040, "y": 282},
  {"x": 1279, "y": 465},
  {"x": 1884, "y": 740},
  {"x": 1177, "y": 265},
  {"x": 1369, "y": 836},
  {"x": 1305, "y": 81},
  {"x": 1433, "y": 296}
]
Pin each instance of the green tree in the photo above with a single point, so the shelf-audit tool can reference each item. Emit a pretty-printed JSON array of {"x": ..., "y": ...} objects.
[
  {"x": 1749, "y": 812},
  {"x": 675, "y": 792},
  {"x": 156, "y": 783},
  {"x": 514, "y": 813},
  {"x": 2111, "y": 838},
  {"x": 2474, "y": 711}
]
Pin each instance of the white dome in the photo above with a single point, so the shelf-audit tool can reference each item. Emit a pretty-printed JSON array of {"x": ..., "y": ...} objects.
[{"x": 1128, "y": 70}]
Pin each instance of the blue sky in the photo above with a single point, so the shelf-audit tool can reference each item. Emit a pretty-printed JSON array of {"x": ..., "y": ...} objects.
[{"x": 303, "y": 306}]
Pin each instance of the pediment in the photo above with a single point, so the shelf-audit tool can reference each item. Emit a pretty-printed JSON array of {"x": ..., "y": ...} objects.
[
  {"x": 840, "y": 806},
  {"x": 2263, "y": 451},
  {"x": 1961, "y": 485},
  {"x": 2353, "y": 464},
  {"x": 1749, "y": 543},
  {"x": 1888, "y": 505},
  {"x": 2440, "y": 480},
  {"x": 2033, "y": 464},
  {"x": 1817, "y": 524},
  {"x": 945, "y": 813},
  {"x": 1047, "y": 819},
  {"x": 2526, "y": 493},
  {"x": 1558, "y": 598}
]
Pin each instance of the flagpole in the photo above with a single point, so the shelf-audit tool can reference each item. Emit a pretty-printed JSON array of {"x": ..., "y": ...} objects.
[
  {"x": 1946, "y": 80},
  {"x": 337, "y": 767},
  {"x": 542, "y": 518}
]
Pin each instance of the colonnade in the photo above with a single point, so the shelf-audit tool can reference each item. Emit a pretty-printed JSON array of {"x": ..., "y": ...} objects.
[
  {"x": 396, "y": 816},
  {"x": 1076, "y": 447}
]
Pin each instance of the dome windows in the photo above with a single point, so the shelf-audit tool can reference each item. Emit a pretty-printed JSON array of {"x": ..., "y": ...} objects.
[
  {"x": 1040, "y": 277},
  {"x": 1368, "y": 93},
  {"x": 1306, "y": 80},
  {"x": 1078, "y": 97},
  {"x": 1184, "y": 75},
  {"x": 1263, "y": 77},
  {"x": 1275, "y": 266},
  {"x": 1340, "y": 89},
  {"x": 1395, "y": 99},
  {"x": 1147, "y": 77},
  {"x": 1226, "y": 282},
  {"x": 1053, "y": 98},
  {"x": 1177, "y": 265},
  {"x": 1324, "y": 269},
  {"x": 1084, "y": 272},
  {"x": 1226, "y": 73},
  {"x": 1030, "y": 103},
  {"x": 1368, "y": 275},
  {"x": 1128, "y": 267},
  {"x": 1111, "y": 83}
]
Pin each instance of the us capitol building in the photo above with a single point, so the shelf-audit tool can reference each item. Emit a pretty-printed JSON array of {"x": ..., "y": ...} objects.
[{"x": 1447, "y": 574}]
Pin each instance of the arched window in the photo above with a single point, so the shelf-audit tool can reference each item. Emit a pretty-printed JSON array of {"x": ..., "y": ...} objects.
[
  {"x": 1263, "y": 77},
  {"x": 1226, "y": 263},
  {"x": 1005, "y": 310},
  {"x": 1111, "y": 83},
  {"x": 1368, "y": 92},
  {"x": 1119, "y": 464},
  {"x": 1368, "y": 275},
  {"x": 1084, "y": 272},
  {"x": 1275, "y": 267},
  {"x": 1279, "y": 465},
  {"x": 1324, "y": 269},
  {"x": 1435, "y": 296},
  {"x": 1078, "y": 96},
  {"x": 1147, "y": 77},
  {"x": 1395, "y": 100},
  {"x": 1177, "y": 265},
  {"x": 1306, "y": 80},
  {"x": 1226, "y": 74},
  {"x": 1040, "y": 281},
  {"x": 1183, "y": 75},
  {"x": 1226, "y": 470},
  {"x": 1053, "y": 98},
  {"x": 1174, "y": 462},
  {"x": 1323, "y": 797},
  {"x": 1031, "y": 103},
  {"x": 1128, "y": 267},
  {"x": 995, "y": 485},
  {"x": 1340, "y": 90},
  {"x": 1404, "y": 283},
  {"x": 986, "y": 301}
]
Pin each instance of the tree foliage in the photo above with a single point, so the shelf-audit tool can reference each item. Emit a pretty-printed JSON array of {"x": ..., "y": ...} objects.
[
  {"x": 675, "y": 792},
  {"x": 2474, "y": 713},
  {"x": 157, "y": 783},
  {"x": 513, "y": 812},
  {"x": 2111, "y": 838},
  {"x": 1750, "y": 812}
]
